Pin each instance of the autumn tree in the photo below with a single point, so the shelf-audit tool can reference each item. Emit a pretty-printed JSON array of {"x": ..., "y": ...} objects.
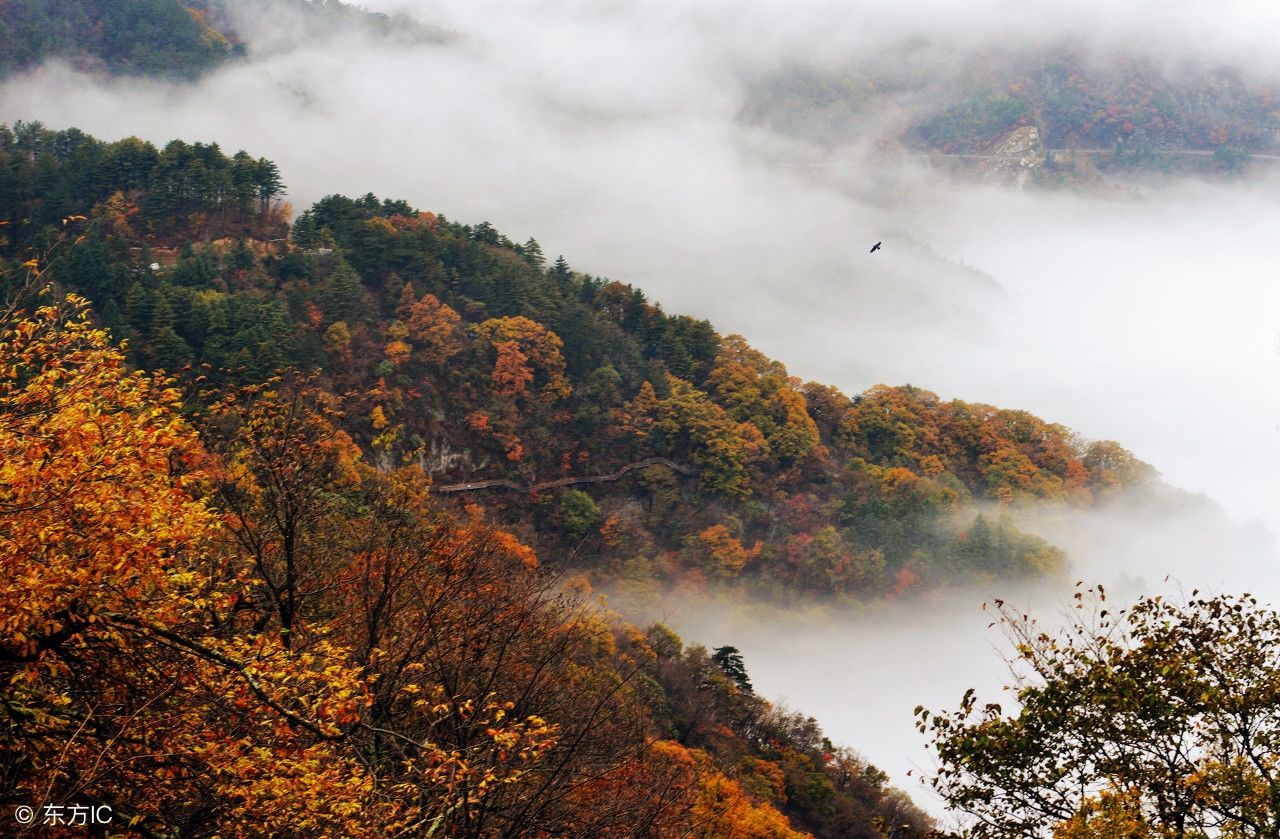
[
  {"x": 111, "y": 677},
  {"x": 756, "y": 389},
  {"x": 688, "y": 423},
  {"x": 524, "y": 351},
  {"x": 491, "y": 697},
  {"x": 526, "y": 380},
  {"x": 413, "y": 674},
  {"x": 1111, "y": 466},
  {"x": 722, "y": 810},
  {"x": 1155, "y": 720},
  {"x": 434, "y": 329},
  {"x": 284, "y": 464},
  {"x": 95, "y": 516},
  {"x": 718, "y": 551}
]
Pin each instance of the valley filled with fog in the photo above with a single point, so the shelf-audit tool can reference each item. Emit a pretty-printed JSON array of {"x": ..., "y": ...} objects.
[{"x": 1146, "y": 312}]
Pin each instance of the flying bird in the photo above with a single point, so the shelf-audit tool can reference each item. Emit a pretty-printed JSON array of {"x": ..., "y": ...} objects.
[{"x": 876, "y": 247}]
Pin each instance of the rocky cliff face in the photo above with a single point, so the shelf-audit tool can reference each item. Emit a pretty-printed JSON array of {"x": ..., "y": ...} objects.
[{"x": 1016, "y": 157}]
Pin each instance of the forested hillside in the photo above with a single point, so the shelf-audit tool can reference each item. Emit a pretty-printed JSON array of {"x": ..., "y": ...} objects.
[
  {"x": 152, "y": 37},
  {"x": 256, "y": 630},
  {"x": 255, "y": 582},
  {"x": 638, "y": 446}
]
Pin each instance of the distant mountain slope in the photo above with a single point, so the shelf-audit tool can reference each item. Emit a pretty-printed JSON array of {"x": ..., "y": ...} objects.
[
  {"x": 147, "y": 37},
  {"x": 1136, "y": 111},
  {"x": 175, "y": 39}
]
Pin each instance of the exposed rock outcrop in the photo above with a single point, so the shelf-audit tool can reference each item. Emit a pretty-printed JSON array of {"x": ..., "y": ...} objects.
[{"x": 1016, "y": 157}]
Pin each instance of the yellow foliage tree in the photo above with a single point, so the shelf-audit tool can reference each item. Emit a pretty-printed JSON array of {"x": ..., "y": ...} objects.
[
  {"x": 96, "y": 469},
  {"x": 1111, "y": 815},
  {"x": 756, "y": 389}
]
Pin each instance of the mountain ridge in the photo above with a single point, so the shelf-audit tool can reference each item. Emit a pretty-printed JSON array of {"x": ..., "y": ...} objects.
[{"x": 466, "y": 353}]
